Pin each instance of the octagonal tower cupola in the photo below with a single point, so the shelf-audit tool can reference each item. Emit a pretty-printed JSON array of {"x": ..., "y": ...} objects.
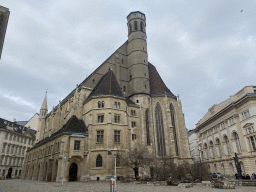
[{"x": 137, "y": 53}]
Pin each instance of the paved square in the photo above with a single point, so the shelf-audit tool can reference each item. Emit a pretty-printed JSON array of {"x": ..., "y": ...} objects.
[{"x": 19, "y": 185}]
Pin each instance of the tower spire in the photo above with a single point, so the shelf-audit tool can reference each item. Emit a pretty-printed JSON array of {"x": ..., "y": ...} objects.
[{"x": 44, "y": 105}]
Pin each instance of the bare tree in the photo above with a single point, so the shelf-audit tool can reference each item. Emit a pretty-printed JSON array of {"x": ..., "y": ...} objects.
[
  {"x": 136, "y": 158},
  {"x": 164, "y": 167}
]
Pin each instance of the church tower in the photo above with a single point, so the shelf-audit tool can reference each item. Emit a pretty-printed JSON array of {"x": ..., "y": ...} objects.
[
  {"x": 137, "y": 53},
  {"x": 42, "y": 119}
]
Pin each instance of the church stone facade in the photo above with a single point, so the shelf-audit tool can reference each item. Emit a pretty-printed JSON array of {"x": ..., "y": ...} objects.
[{"x": 123, "y": 104}]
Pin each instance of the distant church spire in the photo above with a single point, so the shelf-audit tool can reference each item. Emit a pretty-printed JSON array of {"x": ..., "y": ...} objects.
[{"x": 44, "y": 105}]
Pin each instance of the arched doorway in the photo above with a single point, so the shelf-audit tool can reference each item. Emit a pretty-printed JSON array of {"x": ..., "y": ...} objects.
[
  {"x": 9, "y": 174},
  {"x": 73, "y": 172}
]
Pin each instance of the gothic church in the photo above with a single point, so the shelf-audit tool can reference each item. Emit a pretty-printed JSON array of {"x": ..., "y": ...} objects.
[{"x": 123, "y": 104}]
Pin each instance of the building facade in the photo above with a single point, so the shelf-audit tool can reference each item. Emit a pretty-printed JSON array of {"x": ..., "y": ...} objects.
[
  {"x": 193, "y": 146},
  {"x": 14, "y": 142},
  {"x": 123, "y": 104},
  {"x": 229, "y": 128},
  {"x": 4, "y": 17}
]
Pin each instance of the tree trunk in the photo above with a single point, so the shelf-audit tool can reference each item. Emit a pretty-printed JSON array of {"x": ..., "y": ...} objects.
[{"x": 136, "y": 172}]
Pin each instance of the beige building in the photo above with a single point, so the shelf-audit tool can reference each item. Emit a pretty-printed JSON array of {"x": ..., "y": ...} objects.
[
  {"x": 15, "y": 140},
  {"x": 229, "y": 128},
  {"x": 193, "y": 146},
  {"x": 123, "y": 104},
  {"x": 4, "y": 16},
  {"x": 33, "y": 122}
]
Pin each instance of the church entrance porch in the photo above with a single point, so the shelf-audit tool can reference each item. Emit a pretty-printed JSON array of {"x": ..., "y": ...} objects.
[{"x": 73, "y": 172}]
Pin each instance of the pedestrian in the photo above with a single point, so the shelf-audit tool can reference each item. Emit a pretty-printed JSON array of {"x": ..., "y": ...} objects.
[
  {"x": 248, "y": 177},
  {"x": 237, "y": 176}
]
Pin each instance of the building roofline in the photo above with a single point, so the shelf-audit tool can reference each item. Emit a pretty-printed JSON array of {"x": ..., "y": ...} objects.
[
  {"x": 136, "y": 12},
  {"x": 228, "y": 107}
]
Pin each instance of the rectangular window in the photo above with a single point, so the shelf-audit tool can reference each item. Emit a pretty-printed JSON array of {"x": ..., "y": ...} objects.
[
  {"x": 100, "y": 136},
  {"x": 245, "y": 114},
  {"x": 6, "y": 136},
  {"x": 12, "y": 149},
  {"x": 10, "y": 137},
  {"x": 77, "y": 145},
  {"x": 14, "y": 138},
  {"x": 117, "y": 119},
  {"x": 100, "y": 118},
  {"x": 117, "y": 136},
  {"x": 8, "y": 148},
  {"x": 133, "y": 124},
  {"x": 133, "y": 136},
  {"x": 4, "y": 145}
]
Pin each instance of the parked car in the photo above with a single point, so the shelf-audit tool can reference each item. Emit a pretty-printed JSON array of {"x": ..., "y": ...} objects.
[{"x": 217, "y": 175}]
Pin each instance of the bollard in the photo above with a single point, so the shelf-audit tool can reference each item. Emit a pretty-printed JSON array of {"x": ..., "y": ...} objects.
[{"x": 112, "y": 185}]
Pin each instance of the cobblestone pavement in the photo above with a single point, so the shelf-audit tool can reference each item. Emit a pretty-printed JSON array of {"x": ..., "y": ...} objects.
[{"x": 14, "y": 185}]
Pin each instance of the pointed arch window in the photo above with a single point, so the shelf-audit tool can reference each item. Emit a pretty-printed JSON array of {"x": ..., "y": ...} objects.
[
  {"x": 160, "y": 130},
  {"x": 174, "y": 129},
  {"x": 147, "y": 127},
  {"x": 141, "y": 26},
  {"x": 135, "y": 25},
  {"x": 99, "y": 161}
]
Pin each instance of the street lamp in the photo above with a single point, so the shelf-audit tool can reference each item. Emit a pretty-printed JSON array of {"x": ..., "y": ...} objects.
[
  {"x": 115, "y": 170},
  {"x": 63, "y": 168}
]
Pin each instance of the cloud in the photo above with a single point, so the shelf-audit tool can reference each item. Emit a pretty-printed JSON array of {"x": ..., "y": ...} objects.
[{"x": 203, "y": 51}]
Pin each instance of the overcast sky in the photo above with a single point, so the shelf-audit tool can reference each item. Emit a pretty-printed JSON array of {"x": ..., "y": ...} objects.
[{"x": 203, "y": 50}]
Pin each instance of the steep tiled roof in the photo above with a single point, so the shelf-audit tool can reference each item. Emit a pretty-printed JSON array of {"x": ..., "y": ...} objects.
[
  {"x": 130, "y": 102},
  {"x": 107, "y": 85},
  {"x": 73, "y": 125},
  {"x": 157, "y": 85}
]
